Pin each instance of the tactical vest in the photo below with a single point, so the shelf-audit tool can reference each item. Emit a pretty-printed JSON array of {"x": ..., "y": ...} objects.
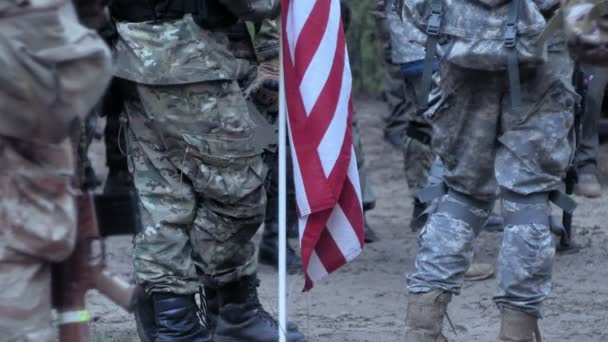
[
  {"x": 208, "y": 14},
  {"x": 480, "y": 34}
]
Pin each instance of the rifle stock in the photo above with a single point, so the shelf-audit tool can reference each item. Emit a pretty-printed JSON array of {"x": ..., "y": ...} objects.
[{"x": 84, "y": 270}]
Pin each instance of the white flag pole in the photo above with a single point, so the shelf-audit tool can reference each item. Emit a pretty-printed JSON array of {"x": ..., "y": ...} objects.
[{"x": 282, "y": 145}]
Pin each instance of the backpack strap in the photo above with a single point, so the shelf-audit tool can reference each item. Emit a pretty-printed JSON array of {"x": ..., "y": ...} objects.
[
  {"x": 510, "y": 42},
  {"x": 432, "y": 32}
]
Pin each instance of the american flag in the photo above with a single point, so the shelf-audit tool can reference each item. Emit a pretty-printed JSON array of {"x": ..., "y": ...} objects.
[{"x": 318, "y": 84}]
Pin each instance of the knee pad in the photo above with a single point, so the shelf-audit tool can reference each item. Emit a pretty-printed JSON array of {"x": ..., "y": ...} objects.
[
  {"x": 457, "y": 205},
  {"x": 465, "y": 208},
  {"x": 534, "y": 213}
]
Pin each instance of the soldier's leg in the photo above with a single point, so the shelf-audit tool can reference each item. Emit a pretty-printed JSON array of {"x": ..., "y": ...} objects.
[
  {"x": 269, "y": 247},
  {"x": 587, "y": 153},
  {"x": 536, "y": 148},
  {"x": 162, "y": 252},
  {"x": 37, "y": 228},
  {"x": 464, "y": 132},
  {"x": 417, "y": 151},
  {"x": 211, "y": 137},
  {"x": 369, "y": 198}
]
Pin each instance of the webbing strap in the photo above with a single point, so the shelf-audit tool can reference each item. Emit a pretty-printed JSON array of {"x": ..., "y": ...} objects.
[
  {"x": 432, "y": 192},
  {"x": 510, "y": 42},
  {"x": 461, "y": 212},
  {"x": 527, "y": 216},
  {"x": 553, "y": 25},
  {"x": 556, "y": 197},
  {"x": 534, "y": 216},
  {"x": 432, "y": 32}
]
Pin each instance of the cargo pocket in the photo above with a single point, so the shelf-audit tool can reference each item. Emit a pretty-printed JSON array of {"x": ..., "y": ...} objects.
[{"x": 40, "y": 214}]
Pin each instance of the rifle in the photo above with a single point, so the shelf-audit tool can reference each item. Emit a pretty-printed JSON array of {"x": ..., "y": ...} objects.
[
  {"x": 85, "y": 269},
  {"x": 579, "y": 80}
]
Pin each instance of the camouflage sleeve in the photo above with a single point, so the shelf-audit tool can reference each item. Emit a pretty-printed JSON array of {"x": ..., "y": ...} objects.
[
  {"x": 266, "y": 41},
  {"x": 253, "y": 10}
]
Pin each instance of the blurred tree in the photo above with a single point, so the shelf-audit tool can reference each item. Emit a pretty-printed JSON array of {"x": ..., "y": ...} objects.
[{"x": 365, "y": 49}]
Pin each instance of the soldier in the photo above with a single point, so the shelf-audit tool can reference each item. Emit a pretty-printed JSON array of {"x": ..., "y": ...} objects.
[
  {"x": 487, "y": 138},
  {"x": 53, "y": 71},
  {"x": 586, "y": 156},
  {"x": 406, "y": 128},
  {"x": 257, "y": 50},
  {"x": 196, "y": 159}
]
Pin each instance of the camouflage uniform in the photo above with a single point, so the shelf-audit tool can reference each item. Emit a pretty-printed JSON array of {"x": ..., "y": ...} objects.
[
  {"x": 37, "y": 209},
  {"x": 586, "y": 155},
  {"x": 193, "y": 154},
  {"x": 404, "y": 46},
  {"x": 38, "y": 220},
  {"x": 484, "y": 144}
]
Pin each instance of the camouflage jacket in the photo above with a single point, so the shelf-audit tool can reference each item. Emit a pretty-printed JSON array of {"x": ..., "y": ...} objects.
[
  {"x": 171, "y": 52},
  {"x": 407, "y": 41}
]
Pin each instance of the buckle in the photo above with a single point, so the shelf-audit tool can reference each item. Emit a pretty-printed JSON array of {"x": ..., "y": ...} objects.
[
  {"x": 510, "y": 35},
  {"x": 432, "y": 28}
]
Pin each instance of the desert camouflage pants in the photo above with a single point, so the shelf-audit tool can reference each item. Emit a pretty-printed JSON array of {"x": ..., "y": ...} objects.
[
  {"x": 483, "y": 143},
  {"x": 200, "y": 181},
  {"x": 37, "y": 228}
]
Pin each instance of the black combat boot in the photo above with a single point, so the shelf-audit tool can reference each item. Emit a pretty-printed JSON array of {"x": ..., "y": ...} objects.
[
  {"x": 243, "y": 319},
  {"x": 212, "y": 311},
  {"x": 269, "y": 250},
  {"x": 419, "y": 218},
  {"x": 177, "y": 320}
]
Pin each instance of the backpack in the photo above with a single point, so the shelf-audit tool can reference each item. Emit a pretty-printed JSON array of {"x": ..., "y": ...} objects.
[
  {"x": 586, "y": 28},
  {"x": 489, "y": 35},
  {"x": 54, "y": 69}
]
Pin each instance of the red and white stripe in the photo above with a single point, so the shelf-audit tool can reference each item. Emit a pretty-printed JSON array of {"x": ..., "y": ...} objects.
[{"x": 318, "y": 84}]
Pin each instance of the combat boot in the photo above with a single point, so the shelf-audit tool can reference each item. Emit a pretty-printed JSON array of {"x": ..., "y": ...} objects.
[
  {"x": 425, "y": 312},
  {"x": 243, "y": 319},
  {"x": 517, "y": 326},
  {"x": 479, "y": 271},
  {"x": 176, "y": 319},
  {"x": 588, "y": 185},
  {"x": 212, "y": 311},
  {"x": 370, "y": 234},
  {"x": 269, "y": 250}
]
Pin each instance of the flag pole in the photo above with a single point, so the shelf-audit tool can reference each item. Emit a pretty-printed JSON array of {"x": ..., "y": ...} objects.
[{"x": 282, "y": 145}]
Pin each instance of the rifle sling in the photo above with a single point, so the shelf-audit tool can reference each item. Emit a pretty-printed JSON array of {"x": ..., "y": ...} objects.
[
  {"x": 432, "y": 31},
  {"x": 510, "y": 42}
]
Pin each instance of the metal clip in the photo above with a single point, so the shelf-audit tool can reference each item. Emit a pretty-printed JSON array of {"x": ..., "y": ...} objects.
[{"x": 510, "y": 35}]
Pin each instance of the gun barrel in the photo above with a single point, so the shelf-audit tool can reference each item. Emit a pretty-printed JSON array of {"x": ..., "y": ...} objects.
[{"x": 116, "y": 289}]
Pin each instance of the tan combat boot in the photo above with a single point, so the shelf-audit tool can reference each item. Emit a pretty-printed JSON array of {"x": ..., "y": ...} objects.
[
  {"x": 479, "y": 271},
  {"x": 517, "y": 326},
  {"x": 424, "y": 319}
]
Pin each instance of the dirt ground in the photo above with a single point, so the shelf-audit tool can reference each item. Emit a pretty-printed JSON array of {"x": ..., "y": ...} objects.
[{"x": 365, "y": 301}]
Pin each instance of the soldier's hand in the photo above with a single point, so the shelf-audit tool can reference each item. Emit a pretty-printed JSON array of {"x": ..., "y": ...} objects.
[{"x": 264, "y": 91}]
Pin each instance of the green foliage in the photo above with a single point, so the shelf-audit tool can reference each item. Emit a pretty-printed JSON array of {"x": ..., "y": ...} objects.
[{"x": 365, "y": 49}]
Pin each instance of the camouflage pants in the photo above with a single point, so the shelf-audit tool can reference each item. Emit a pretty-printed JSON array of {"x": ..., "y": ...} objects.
[
  {"x": 37, "y": 228},
  {"x": 586, "y": 155},
  {"x": 417, "y": 155},
  {"x": 483, "y": 143},
  {"x": 200, "y": 180},
  {"x": 369, "y": 198}
]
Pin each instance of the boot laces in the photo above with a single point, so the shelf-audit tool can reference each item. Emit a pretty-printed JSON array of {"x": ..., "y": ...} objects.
[{"x": 254, "y": 300}]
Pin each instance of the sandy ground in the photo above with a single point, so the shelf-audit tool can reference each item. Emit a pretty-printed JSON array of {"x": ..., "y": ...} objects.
[{"x": 366, "y": 300}]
